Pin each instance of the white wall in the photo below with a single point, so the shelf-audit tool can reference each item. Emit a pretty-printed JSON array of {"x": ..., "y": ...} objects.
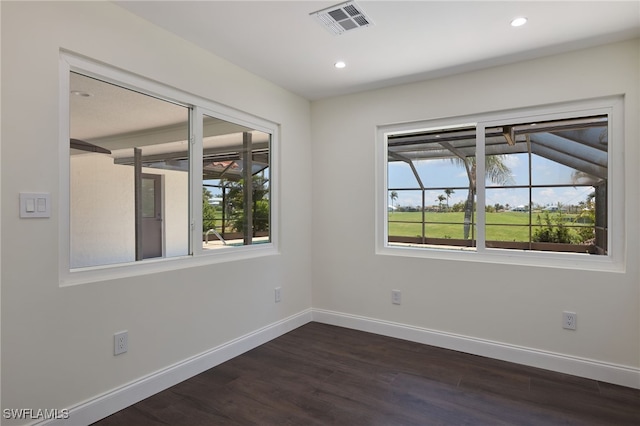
[
  {"x": 175, "y": 205},
  {"x": 102, "y": 211},
  {"x": 57, "y": 342},
  {"x": 103, "y": 215},
  {"x": 505, "y": 304}
]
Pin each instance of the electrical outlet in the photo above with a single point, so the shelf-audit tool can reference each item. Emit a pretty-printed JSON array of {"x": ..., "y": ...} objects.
[
  {"x": 569, "y": 320},
  {"x": 120, "y": 342},
  {"x": 278, "y": 294},
  {"x": 396, "y": 297}
]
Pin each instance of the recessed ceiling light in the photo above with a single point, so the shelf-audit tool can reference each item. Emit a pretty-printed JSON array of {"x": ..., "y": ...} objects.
[
  {"x": 81, "y": 94},
  {"x": 340, "y": 64},
  {"x": 518, "y": 22}
]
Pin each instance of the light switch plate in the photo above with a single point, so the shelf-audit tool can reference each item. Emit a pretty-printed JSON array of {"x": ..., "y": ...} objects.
[{"x": 35, "y": 204}]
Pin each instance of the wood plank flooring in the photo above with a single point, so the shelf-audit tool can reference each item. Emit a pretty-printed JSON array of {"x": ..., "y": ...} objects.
[{"x": 324, "y": 375}]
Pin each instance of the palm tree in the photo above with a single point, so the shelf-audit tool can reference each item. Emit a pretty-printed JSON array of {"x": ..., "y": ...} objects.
[
  {"x": 448, "y": 193},
  {"x": 394, "y": 196},
  {"x": 440, "y": 199},
  {"x": 495, "y": 169},
  {"x": 580, "y": 177}
]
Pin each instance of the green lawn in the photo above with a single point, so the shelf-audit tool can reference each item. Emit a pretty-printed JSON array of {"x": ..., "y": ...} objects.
[{"x": 504, "y": 226}]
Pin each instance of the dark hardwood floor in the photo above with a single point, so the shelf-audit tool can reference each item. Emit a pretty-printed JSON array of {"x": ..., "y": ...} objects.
[{"x": 324, "y": 375}]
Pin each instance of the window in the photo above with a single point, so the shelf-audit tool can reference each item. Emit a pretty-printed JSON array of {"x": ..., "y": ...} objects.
[
  {"x": 547, "y": 190},
  {"x": 157, "y": 174},
  {"x": 548, "y": 184},
  {"x": 431, "y": 175},
  {"x": 129, "y": 170},
  {"x": 235, "y": 185}
]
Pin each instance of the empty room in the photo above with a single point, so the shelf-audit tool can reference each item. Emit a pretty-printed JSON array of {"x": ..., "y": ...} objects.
[{"x": 271, "y": 212}]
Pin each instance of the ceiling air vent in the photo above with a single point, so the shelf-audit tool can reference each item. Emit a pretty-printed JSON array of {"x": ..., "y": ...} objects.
[{"x": 342, "y": 17}]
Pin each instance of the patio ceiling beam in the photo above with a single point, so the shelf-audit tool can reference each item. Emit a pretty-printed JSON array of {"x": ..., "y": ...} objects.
[
  {"x": 86, "y": 146},
  {"x": 257, "y": 146},
  {"x": 596, "y": 137},
  {"x": 436, "y": 151},
  {"x": 509, "y": 134},
  {"x": 469, "y": 134},
  {"x": 574, "y": 149},
  {"x": 459, "y": 135},
  {"x": 182, "y": 155},
  {"x": 561, "y": 125},
  {"x": 569, "y": 161},
  {"x": 493, "y": 146},
  {"x": 455, "y": 150},
  {"x": 502, "y": 149}
]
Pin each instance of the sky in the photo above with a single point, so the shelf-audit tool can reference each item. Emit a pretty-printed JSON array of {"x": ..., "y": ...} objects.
[{"x": 446, "y": 174}]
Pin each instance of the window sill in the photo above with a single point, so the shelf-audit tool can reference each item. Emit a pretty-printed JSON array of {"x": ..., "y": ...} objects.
[
  {"x": 578, "y": 261},
  {"x": 159, "y": 265}
]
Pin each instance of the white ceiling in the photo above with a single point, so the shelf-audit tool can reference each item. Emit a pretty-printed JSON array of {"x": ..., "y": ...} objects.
[{"x": 409, "y": 41}]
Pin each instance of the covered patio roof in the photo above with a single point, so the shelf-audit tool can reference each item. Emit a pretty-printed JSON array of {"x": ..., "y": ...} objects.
[{"x": 580, "y": 144}]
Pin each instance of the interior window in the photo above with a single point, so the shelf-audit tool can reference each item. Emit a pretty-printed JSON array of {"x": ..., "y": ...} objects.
[
  {"x": 129, "y": 175},
  {"x": 235, "y": 185}
]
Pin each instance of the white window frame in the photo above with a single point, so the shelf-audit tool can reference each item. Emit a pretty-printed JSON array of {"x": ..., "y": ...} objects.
[
  {"x": 611, "y": 106},
  {"x": 70, "y": 62}
]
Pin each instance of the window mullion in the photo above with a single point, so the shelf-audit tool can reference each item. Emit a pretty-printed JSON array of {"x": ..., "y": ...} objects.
[
  {"x": 195, "y": 179},
  {"x": 480, "y": 188}
]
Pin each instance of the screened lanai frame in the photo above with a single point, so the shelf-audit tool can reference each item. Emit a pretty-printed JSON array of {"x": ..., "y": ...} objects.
[
  {"x": 225, "y": 157},
  {"x": 495, "y": 125},
  {"x": 580, "y": 143}
]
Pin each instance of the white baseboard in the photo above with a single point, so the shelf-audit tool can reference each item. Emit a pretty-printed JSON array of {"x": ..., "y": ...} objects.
[
  {"x": 111, "y": 402},
  {"x": 596, "y": 370}
]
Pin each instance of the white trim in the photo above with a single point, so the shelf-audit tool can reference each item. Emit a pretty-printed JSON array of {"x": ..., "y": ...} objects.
[
  {"x": 195, "y": 182},
  {"x": 615, "y": 261},
  {"x": 64, "y": 210},
  {"x": 71, "y": 62},
  {"x": 592, "y": 369},
  {"x": 113, "y": 401}
]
